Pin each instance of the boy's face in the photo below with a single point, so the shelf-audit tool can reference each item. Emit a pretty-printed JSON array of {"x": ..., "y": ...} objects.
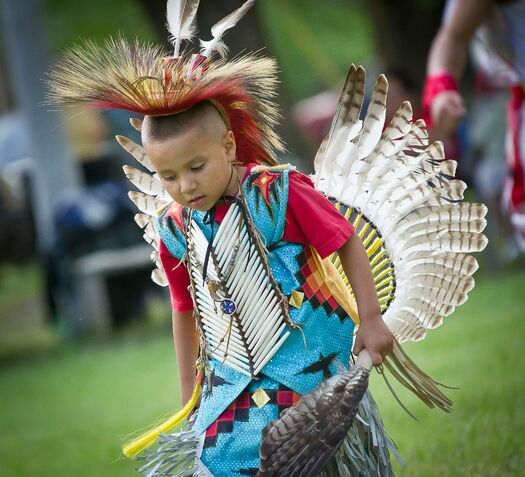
[{"x": 195, "y": 166}]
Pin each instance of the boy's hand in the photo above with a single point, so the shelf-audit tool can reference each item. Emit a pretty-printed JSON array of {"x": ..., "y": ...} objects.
[{"x": 375, "y": 337}]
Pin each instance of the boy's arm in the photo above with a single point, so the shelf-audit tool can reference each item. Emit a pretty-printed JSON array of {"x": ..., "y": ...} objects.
[
  {"x": 187, "y": 347},
  {"x": 373, "y": 334}
]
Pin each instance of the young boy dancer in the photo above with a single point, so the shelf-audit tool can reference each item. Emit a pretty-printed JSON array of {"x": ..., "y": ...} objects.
[{"x": 244, "y": 243}]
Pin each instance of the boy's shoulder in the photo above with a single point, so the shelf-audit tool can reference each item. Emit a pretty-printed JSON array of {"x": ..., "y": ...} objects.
[
  {"x": 295, "y": 178},
  {"x": 279, "y": 170},
  {"x": 171, "y": 210},
  {"x": 170, "y": 227},
  {"x": 268, "y": 180}
]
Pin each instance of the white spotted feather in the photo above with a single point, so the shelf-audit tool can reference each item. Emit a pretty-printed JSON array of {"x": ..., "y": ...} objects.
[
  {"x": 150, "y": 198},
  {"x": 180, "y": 16}
]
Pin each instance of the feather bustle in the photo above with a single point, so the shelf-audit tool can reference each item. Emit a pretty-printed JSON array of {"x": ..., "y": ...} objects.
[
  {"x": 416, "y": 231},
  {"x": 136, "y": 124},
  {"x": 136, "y": 151}
]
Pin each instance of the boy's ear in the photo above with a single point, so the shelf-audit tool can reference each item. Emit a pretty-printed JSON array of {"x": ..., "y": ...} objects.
[{"x": 230, "y": 146}]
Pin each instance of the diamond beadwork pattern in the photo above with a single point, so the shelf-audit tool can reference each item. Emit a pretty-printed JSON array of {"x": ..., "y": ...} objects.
[
  {"x": 313, "y": 286},
  {"x": 239, "y": 410}
]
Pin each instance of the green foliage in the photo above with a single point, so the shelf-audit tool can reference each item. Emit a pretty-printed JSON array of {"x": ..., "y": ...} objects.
[
  {"x": 69, "y": 21},
  {"x": 316, "y": 45},
  {"x": 68, "y": 415},
  {"x": 479, "y": 351}
]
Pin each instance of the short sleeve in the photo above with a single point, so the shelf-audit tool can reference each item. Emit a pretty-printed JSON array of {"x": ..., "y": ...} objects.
[
  {"x": 178, "y": 279},
  {"x": 311, "y": 218}
]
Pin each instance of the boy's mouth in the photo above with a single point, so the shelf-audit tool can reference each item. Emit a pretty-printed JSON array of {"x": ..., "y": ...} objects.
[{"x": 196, "y": 201}]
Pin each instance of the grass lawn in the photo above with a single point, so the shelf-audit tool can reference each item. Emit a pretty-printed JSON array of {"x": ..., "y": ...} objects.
[
  {"x": 66, "y": 415},
  {"x": 479, "y": 350}
]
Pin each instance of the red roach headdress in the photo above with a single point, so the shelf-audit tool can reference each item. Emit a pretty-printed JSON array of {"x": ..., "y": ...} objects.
[{"x": 142, "y": 78}]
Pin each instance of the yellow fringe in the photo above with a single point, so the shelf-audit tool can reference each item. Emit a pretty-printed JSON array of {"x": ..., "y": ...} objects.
[
  {"x": 381, "y": 275},
  {"x": 384, "y": 291},
  {"x": 384, "y": 299},
  {"x": 383, "y": 283},
  {"x": 131, "y": 449},
  {"x": 380, "y": 254},
  {"x": 373, "y": 248},
  {"x": 369, "y": 237},
  {"x": 378, "y": 267},
  {"x": 362, "y": 232}
]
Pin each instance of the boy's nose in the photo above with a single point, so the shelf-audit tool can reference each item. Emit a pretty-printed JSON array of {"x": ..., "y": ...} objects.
[{"x": 187, "y": 186}]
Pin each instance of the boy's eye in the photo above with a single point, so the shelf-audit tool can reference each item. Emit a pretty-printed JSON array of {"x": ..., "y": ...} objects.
[
  {"x": 168, "y": 178},
  {"x": 197, "y": 168}
]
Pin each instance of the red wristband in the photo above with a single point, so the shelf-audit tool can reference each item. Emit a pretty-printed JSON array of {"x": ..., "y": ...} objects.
[{"x": 434, "y": 85}]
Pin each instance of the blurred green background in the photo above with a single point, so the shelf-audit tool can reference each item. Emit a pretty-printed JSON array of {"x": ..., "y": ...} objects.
[{"x": 67, "y": 404}]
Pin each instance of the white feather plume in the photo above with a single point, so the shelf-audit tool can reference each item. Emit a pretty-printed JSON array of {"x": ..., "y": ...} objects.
[
  {"x": 218, "y": 30},
  {"x": 180, "y": 16}
]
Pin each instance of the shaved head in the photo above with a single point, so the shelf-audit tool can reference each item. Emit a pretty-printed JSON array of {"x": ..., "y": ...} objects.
[{"x": 203, "y": 116}]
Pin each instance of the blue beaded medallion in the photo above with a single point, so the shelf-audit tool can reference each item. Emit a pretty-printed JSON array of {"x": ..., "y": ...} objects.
[{"x": 228, "y": 306}]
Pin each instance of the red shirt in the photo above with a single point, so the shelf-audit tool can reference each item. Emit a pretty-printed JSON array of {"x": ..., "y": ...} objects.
[{"x": 310, "y": 219}]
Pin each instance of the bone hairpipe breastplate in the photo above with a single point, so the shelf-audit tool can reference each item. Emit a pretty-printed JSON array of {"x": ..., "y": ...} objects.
[{"x": 240, "y": 308}]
